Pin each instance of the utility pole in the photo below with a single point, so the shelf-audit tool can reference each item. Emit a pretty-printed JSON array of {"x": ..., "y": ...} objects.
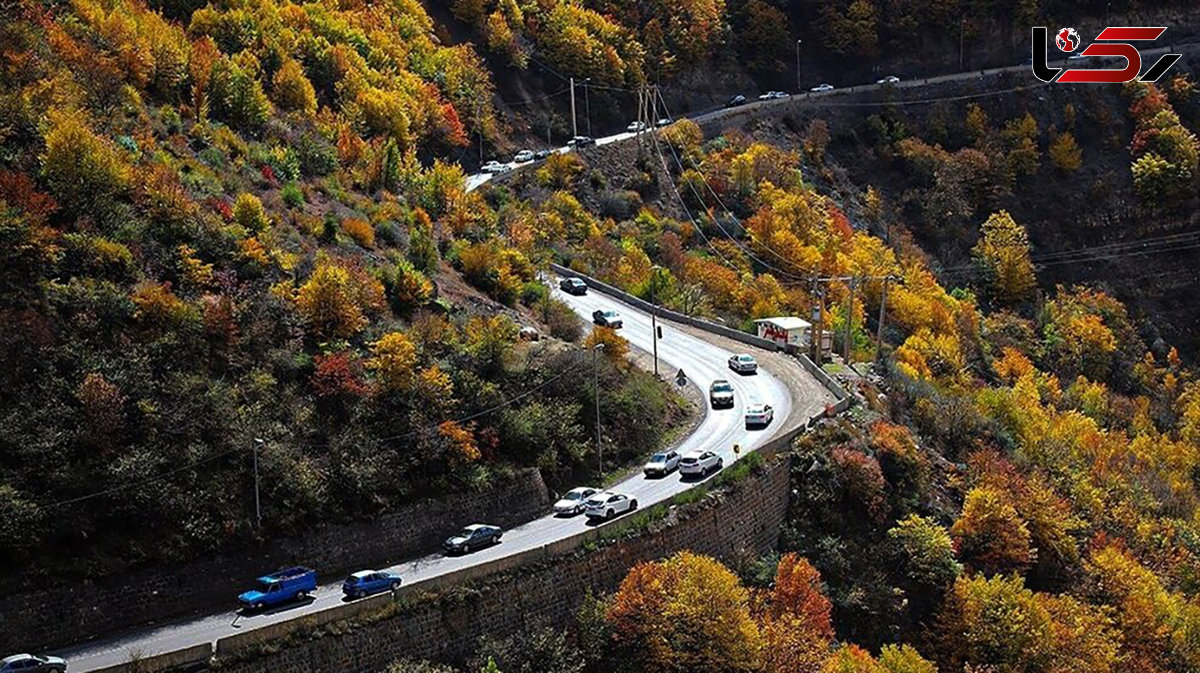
[
  {"x": 258, "y": 443},
  {"x": 818, "y": 326},
  {"x": 799, "y": 69},
  {"x": 596, "y": 382},
  {"x": 479, "y": 123},
  {"x": 587, "y": 105},
  {"x": 962, "y": 25},
  {"x": 574, "y": 121},
  {"x": 653, "y": 315},
  {"x": 849, "y": 324},
  {"x": 882, "y": 312}
]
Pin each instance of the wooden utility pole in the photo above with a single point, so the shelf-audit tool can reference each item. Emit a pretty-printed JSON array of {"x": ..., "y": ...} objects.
[
  {"x": 818, "y": 321},
  {"x": 574, "y": 121},
  {"x": 882, "y": 312},
  {"x": 849, "y": 323}
]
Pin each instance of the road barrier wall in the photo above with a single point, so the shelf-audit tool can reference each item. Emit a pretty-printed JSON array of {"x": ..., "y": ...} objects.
[
  {"x": 193, "y": 657},
  {"x": 541, "y": 587},
  {"x": 57, "y": 614}
]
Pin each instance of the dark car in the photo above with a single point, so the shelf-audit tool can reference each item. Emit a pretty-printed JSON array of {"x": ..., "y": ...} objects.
[
  {"x": 582, "y": 141},
  {"x": 736, "y": 101},
  {"x": 720, "y": 394},
  {"x": 365, "y": 582},
  {"x": 573, "y": 286},
  {"x": 28, "y": 663},
  {"x": 475, "y": 536},
  {"x": 610, "y": 319}
]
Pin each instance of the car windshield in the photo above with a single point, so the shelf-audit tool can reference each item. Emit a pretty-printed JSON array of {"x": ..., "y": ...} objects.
[
  {"x": 574, "y": 495},
  {"x": 466, "y": 532},
  {"x": 746, "y": 358},
  {"x": 610, "y": 314},
  {"x": 658, "y": 457},
  {"x": 722, "y": 387}
]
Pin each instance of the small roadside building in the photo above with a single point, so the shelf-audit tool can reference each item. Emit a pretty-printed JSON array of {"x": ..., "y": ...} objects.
[{"x": 790, "y": 332}]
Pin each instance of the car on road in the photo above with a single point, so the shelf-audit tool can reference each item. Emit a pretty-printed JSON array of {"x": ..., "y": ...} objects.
[
  {"x": 736, "y": 101},
  {"x": 720, "y": 394},
  {"x": 574, "y": 286},
  {"x": 610, "y": 319},
  {"x": 605, "y": 505},
  {"x": 524, "y": 156},
  {"x": 890, "y": 79},
  {"x": 1077, "y": 56},
  {"x": 743, "y": 363},
  {"x": 773, "y": 95},
  {"x": 29, "y": 663},
  {"x": 581, "y": 141},
  {"x": 494, "y": 167},
  {"x": 665, "y": 121},
  {"x": 280, "y": 587},
  {"x": 366, "y": 582},
  {"x": 574, "y": 501},
  {"x": 700, "y": 463},
  {"x": 822, "y": 88},
  {"x": 759, "y": 415},
  {"x": 542, "y": 154},
  {"x": 475, "y": 536},
  {"x": 636, "y": 127},
  {"x": 661, "y": 464}
]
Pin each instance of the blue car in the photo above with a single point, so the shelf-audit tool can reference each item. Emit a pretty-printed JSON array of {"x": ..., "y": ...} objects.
[
  {"x": 280, "y": 587},
  {"x": 366, "y": 582}
]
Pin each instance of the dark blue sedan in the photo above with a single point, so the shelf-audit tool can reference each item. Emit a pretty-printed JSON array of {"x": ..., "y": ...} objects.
[{"x": 365, "y": 582}]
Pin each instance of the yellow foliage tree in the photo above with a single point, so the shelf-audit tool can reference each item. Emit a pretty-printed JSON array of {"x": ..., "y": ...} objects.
[
  {"x": 393, "y": 359},
  {"x": 1003, "y": 254}
]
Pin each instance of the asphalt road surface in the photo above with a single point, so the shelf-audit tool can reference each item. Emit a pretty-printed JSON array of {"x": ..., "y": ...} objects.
[{"x": 702, "y": 362}]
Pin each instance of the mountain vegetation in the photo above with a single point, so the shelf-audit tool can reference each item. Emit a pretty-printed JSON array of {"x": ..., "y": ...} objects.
[{"x": 233, "y": 223}]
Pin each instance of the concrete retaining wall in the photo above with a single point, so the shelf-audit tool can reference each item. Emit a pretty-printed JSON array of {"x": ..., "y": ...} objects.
[{"x": 65, "y": 613}]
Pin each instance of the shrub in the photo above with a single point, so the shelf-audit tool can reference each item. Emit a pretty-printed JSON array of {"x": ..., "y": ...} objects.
[
  {"x": 292, "y": 195},
  {"x": 1065, "y": 153},
  {"x": 84, "y": 172},
  {"x": 248, "y": 212},
  {"x": 360, "y": 230}
]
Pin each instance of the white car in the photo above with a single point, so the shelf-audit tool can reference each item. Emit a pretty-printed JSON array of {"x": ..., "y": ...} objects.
[
  {"x": 890, "y": 79},
  {"x": 661, "y": 464},
  {"x": 759, "y": 414},
  {"x": 665, "y": 121},
  {"x": 524, "y": 156},
  {"x": 574, "y": 501},
  {"x": 700, "y": 463},
  {"x": 1076, "y": 56},
  {"x": 822, "y": 88},
  {"x": 635, "y": 127},
  {"x": 773, "y": 95},
  {"x": 743, "y": 363},
  {"x": 494, "y": 167},
  {"x": 605, "y": 505}
]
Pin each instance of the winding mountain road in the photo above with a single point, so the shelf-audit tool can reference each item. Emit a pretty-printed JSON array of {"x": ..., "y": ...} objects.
[{"x": 703, "y": 358}]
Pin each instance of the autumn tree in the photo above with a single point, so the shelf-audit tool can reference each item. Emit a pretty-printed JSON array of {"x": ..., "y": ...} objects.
[
  {"x": 336, "y": 299},
  {"x": 613, "y": 345},
  {"x": 393, "y": 359},
  {"x": 84, "y": 172},
  {"x": 992, "y": 538},
  {"x": 686, "y": 613},
  {"x": 1003, "y": 254},
  {"x": 291, "y": 90},
  {"x": 1065, "y": 153}
]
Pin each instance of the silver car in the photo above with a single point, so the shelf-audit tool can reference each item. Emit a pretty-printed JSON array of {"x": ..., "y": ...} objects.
[
  {"x": 574, "y": 501},
  {"x": 700, "y": 463},
  {"x": 822, "y": 88},
  {"x": 606, "y": 505},
  {"x": 743, "y": 363},
  {"x": 29, "y": 663},
  {"x": 661, "y": 464}
]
